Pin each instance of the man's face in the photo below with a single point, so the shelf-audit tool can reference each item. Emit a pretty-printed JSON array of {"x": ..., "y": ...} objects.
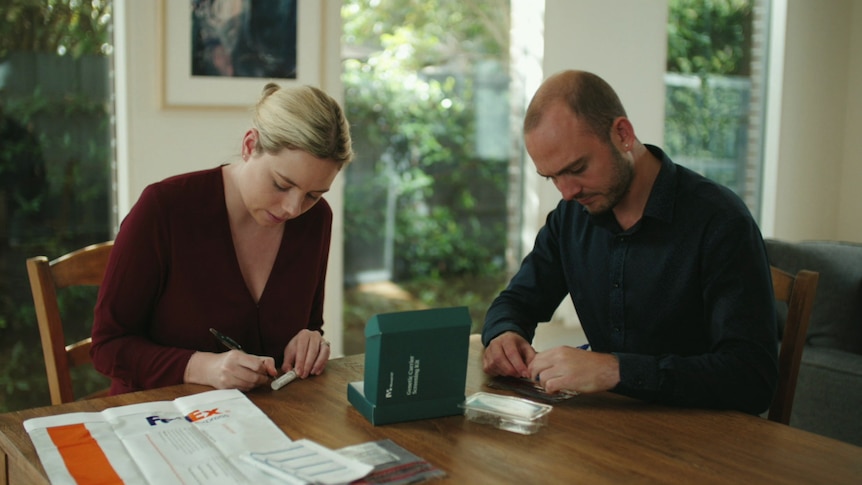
[{"x": 582, "y": 166}]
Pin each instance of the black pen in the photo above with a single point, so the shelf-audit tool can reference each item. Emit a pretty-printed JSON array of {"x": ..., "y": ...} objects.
[{"x": 227, "y": 341}]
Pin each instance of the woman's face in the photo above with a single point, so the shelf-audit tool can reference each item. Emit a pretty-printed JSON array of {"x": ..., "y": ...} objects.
[{"x": 281, "y": 186}]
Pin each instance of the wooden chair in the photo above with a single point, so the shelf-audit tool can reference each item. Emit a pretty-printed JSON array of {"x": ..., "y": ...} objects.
[
  {"x": 84, "y": 267},
  {"x": 798, "y": 292}
]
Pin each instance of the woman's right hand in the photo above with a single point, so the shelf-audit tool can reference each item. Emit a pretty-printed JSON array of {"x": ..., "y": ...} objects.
[{"x": 233, "y": 369}]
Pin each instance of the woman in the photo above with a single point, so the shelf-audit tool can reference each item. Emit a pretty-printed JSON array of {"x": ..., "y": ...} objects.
[{"x": 241, "y": 248}]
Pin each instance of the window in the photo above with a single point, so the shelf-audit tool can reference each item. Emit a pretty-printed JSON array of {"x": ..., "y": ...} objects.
[
  {"x": 55, "y": 170},
  {"x": 715, "y": 80},
  {"x": 427, "y": 94}
]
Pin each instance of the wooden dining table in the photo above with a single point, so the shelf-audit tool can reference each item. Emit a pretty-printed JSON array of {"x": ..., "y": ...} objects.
[{"x": 597, "y": 438}]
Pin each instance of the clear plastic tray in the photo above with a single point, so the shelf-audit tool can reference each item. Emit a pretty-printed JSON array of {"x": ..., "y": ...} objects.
[{"x": 505, "y": 412}]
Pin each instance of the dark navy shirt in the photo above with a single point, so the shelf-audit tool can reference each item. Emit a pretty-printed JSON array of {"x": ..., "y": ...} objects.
[{"x": 683, "y": 298}]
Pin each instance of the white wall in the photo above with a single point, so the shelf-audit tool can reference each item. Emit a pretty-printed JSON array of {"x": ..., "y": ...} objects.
[
  {"x": 817, "y": 159},
  {"x": 158, "y": 142},
  {"x": 850, "y": 201}
]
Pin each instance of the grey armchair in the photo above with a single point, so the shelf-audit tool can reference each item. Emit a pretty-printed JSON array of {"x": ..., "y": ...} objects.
[{"x": 828, "y": 398}]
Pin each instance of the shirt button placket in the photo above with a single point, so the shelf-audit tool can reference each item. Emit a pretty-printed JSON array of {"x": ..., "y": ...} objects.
[{"x": 617, "y": 300}]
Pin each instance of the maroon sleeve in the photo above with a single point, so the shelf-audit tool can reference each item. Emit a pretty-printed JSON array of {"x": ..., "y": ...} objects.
[
  {"x": 315, "y": 321},
  {"x": 134, "y": 279}
]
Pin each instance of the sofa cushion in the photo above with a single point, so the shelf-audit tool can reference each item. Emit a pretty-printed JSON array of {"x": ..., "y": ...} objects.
[
  {"x": 828, "y": 394},
  {"x": 836, "y": 320}
]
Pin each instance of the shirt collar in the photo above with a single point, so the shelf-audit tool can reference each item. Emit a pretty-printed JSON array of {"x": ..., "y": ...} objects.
[{"x": 661, "y": 199}]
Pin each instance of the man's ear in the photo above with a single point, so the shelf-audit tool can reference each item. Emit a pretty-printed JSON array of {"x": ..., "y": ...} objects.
[{"x": 623, "y": 133}]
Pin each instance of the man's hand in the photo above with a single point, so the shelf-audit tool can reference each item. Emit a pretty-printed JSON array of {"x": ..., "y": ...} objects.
[
  {"x": 307, "y": 353},
  {"x": 575, "y": 370},
  {"x": 508, "y": 354}
]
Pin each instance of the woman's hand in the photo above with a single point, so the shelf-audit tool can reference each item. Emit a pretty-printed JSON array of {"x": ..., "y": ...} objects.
[
  {"x": 230, "y": 370},
  {"x": 307, "y": 353}
]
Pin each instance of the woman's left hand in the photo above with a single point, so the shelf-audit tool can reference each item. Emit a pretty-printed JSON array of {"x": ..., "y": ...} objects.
[{"x": 306, "y": 353}]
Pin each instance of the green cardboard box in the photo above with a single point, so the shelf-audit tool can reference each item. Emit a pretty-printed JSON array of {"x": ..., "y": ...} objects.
[{"x": 415, "y": 365}]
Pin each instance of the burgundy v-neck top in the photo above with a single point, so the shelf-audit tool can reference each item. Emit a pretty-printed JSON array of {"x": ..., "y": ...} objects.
[{"x": 173, "y": 274}]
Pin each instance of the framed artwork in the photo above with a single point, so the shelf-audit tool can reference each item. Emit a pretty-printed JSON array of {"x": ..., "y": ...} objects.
[{"x": 220, "y": 53}]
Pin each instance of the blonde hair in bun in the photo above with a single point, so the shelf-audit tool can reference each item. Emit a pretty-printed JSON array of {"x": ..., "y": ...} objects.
[{"x": 302, "y": 118}]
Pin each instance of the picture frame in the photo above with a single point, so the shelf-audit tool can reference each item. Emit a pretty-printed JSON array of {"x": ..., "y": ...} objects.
[{"x": 181, "y": 89}]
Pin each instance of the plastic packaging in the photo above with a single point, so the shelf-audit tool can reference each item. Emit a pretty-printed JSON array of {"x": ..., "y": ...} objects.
[{"x": 506, "y": 412}]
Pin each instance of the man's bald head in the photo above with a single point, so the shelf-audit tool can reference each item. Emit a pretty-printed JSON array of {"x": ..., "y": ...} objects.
[{"x": 588, "y": 96}]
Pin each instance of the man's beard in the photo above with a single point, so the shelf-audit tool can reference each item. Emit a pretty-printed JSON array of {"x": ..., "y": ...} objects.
[{"x": 624, "y": 173}]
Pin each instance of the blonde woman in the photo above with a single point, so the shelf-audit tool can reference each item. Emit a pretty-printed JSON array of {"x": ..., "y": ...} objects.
[{"x": 241, "y": 248}]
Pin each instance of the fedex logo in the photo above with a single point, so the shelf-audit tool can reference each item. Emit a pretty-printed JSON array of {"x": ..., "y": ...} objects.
[{"x": 191, "y": 417}]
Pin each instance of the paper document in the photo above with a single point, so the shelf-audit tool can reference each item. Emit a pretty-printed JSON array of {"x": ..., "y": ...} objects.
[
  {"x": 197, "y": 439},
  {"x": 305, "y": 462}
]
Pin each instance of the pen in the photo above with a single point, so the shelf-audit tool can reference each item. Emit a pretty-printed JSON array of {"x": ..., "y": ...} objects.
[
  {"x": 584, "y": 347},
  {"x": 230, "y": 343},
  {"x": 227, "y": 341}
]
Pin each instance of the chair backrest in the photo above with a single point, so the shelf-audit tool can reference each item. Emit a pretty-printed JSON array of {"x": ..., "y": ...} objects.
[
  {"x": 84, "y": 267},
  {"x": 798, "y": 292}
]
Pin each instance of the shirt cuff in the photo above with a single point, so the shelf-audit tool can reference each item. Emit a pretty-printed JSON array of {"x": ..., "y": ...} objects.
[
  {"x": 490, "y": 333},
  {"x": 639, "y": 376}
]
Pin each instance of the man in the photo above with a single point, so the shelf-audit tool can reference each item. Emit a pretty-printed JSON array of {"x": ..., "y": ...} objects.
[{"x": 667, "y": 269}]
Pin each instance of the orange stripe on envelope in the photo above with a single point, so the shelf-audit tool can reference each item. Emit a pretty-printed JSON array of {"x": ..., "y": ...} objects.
[{"x": 82, "y": 455}]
